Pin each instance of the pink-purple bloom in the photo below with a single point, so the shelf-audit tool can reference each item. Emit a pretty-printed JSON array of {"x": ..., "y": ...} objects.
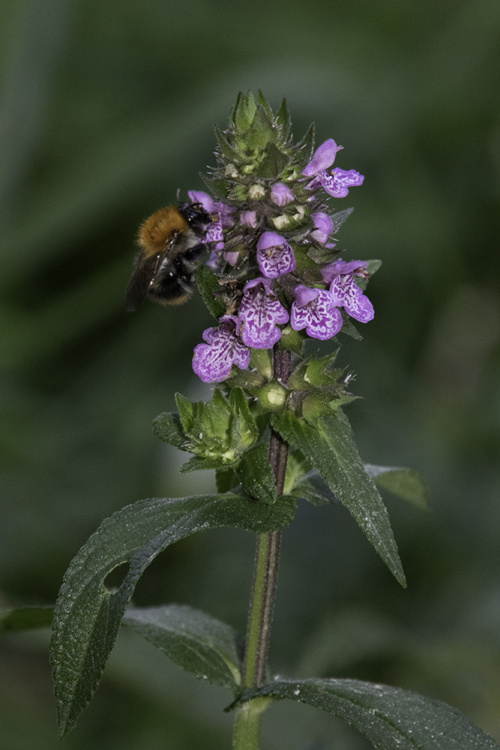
[
  {"x": 215, "y": 231},
  {"x": 323, "y": 157},
  {"x": 281, "y": 194},
  {"x": 337, "y": 182},
  {"x": 323, "y": 227},
  {"x": 248, "y": 218},
  {"x": 274, "y": 255},
  {"x": 212, "y": 362},
  {"x": 261, "y": 313},
  {"x": 344, "y": 290},
  {"x": 315, "y": 310}
]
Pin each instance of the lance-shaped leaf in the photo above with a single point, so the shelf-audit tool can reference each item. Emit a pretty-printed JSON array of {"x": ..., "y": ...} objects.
[
  {"x": 330, "y": 447},
  {"x": 88, "y": 615},
  {"x": 404, "y": 483},
  {"x": 198, "y": 643},
  {"x": 390, "y": 718}
]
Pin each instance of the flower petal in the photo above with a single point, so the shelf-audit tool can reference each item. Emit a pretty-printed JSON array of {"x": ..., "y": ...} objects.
[
  {"x": 274, "y": 255},
  {"x": 320, "y": 317},
  {"x": 338, "y": 181},
  {"x": 323, "y": 157}
]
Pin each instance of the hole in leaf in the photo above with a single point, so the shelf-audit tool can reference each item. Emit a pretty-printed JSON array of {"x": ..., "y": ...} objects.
[{"x": 115, "y": 577}]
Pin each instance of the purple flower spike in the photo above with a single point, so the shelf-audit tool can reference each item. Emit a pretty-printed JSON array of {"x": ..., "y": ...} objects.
[
  {"x": 212, "y": 361},
  {"x": 323, "y": 157},
  {"x": 261, "y": 312},
  {"x": 338, "y": 182},
  {"x": 274, "y": 255},
  {"x": 315, "y": 310},
  {"x": 281, "y": 194}
]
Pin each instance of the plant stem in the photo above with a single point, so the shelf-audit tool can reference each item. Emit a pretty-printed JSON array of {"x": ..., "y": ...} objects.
[{"x": 260, "y": 616}]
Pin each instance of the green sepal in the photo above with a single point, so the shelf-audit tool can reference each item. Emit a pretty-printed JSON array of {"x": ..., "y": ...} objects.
[
  {"x": 262, "y": 361},
  {"x": 210, "y": 291},
  {"x": 198, "y": 643},
  {"x": 217, "y": 186},
  {"x": 88, "y": 615},
  {"x": 244, "y": 431},
  {"x": 260, "y": 133},
  {"x": 244, "y": 111},
  {"x": 226, "y": 149},
  {"x": 284, "y": 120},
  {"x": 197, "y": 463},
  {"x": 261, "y": 99},
  {"x": 306, "y": 483},
  {"x": 291, "y": 339},
  {"x": 218, "y": 431},
  {"x": 322, "y": 255},
  {"x": 168, "y": 427},
  {"x": 256, "y": 474},
  {"x": 306, "y": 144},
  {"x": 339, "y": 217},
  {"x": 390, "y": 718},
  {"x": 330, "y": 447},
  {"x": 349, "y": 328},
  {"x": 273, "y": 163}
]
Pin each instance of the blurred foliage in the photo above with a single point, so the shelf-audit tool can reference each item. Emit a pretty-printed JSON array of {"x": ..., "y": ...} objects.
[{"x": 106, "y": 111}]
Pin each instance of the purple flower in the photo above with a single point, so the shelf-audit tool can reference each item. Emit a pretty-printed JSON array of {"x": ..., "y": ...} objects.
[
  {"x": 274, "y": 255},
  {"x": 344, "y": 290},
  {"x": 212, "y": 361},
  {"x": 281, "y": 194},
  {"x": 337, "y": 182},
  {"x": 261, "y": 312},
  {"x": 323, "y": 157},
  {"x": 214, "y": 232},
  {"x": 315, "y": 310},
  {"x": 323, "y": 228},
  {"x": 248, "y": 218}
]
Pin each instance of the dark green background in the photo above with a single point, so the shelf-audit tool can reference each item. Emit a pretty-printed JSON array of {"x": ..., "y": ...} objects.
[{"x": 107, "y": 109}]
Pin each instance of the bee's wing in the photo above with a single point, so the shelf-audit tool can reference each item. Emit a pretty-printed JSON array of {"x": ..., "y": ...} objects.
[{"x": 145, "y": 270}]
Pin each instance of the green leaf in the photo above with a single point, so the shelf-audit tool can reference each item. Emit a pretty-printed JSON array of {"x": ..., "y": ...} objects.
[
  {"x": 314, "y": 489},
  {"x": 390, "y": 718},
  {"x": 256, "y": 474},
  {"x": 210, "y": 290},
  {"x": 25, "y": 618},
  {"x": 88, "y": 615},
  {"x": 226, "y": 480},
  {"x": 168, "y": 427},
  {"x": 330, "y": 447},
  {"x": 198, "y": 643},
  {"x": 405, "y": 483}
]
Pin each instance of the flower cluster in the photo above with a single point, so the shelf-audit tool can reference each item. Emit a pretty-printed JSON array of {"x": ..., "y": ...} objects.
[{"x": 273, "y": 253}]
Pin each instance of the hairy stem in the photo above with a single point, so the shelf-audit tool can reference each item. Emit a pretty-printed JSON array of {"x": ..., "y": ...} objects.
[{"x": 260, "y": 617}]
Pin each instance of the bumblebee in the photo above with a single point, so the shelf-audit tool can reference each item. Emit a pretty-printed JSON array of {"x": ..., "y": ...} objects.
[{"x": 170, "y": 242}]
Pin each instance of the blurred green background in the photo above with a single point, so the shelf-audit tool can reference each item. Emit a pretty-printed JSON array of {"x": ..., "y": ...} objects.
[{"x": 107, "y": 109}]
